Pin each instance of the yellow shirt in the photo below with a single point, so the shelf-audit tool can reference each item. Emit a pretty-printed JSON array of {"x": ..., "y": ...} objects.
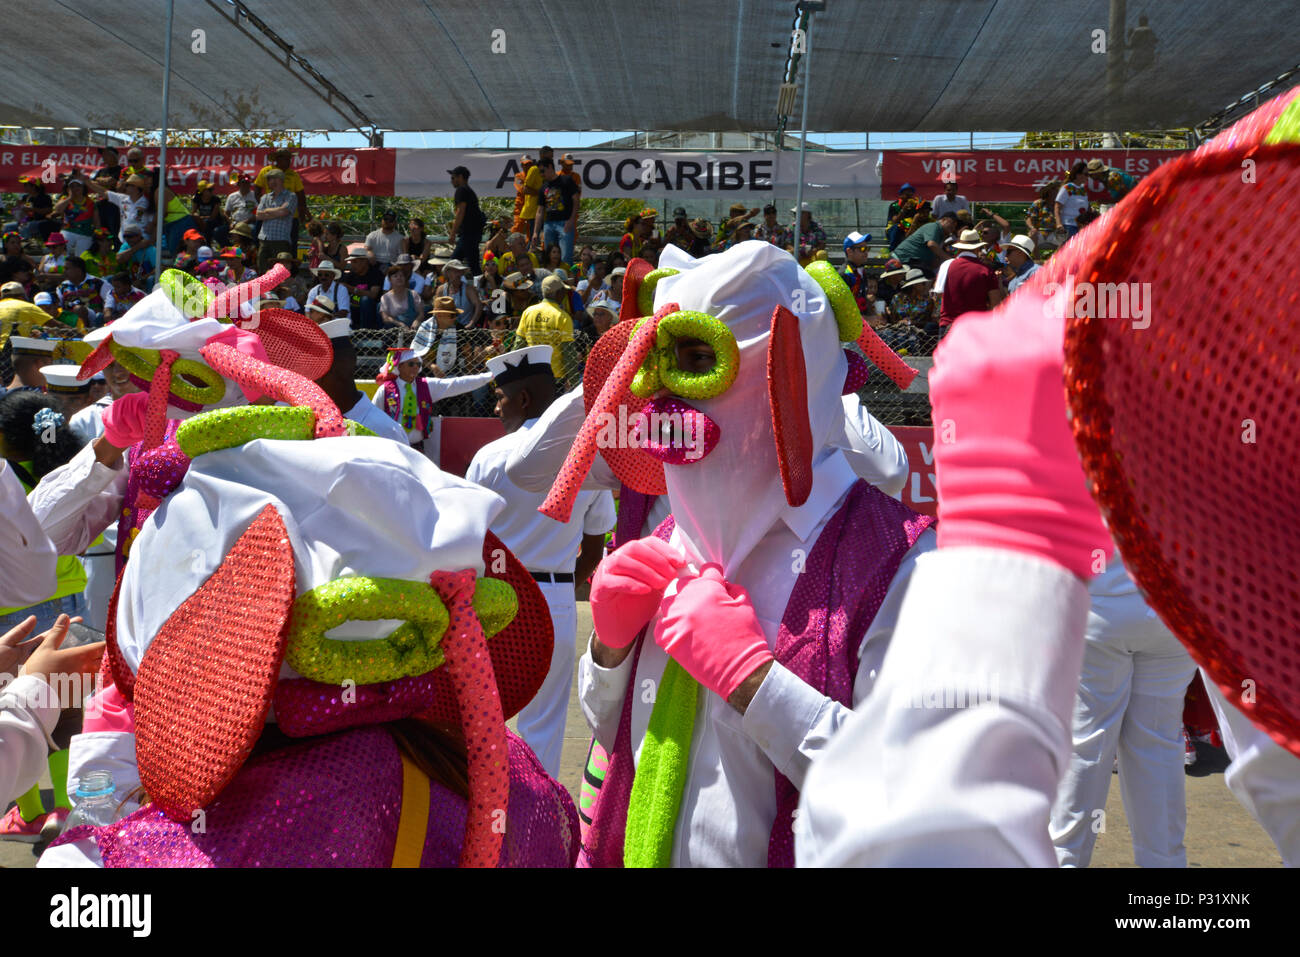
[
  {"x": 18, "y": 317},
  {"x": 546, "y": 324},
  {"x": 532, "y": 181},
  {"x": 507, "y": 265}
]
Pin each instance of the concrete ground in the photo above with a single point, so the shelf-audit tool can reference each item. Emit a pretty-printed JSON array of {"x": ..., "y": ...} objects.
[{"x": 1219, "y": 831}]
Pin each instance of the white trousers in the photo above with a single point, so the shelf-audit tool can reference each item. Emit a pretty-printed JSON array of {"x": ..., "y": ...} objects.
[
  {"x": 1263, "y": 776},
  {"x": 77, "y": 243},
  {"x": 1135, "y": 675},
  {"x": 541, "y": 722}
]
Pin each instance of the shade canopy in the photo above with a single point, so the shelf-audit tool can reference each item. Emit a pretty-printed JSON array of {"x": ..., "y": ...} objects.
[{"x": 889, "y": 65}]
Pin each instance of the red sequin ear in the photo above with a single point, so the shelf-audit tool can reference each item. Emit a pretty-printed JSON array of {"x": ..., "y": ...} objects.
[
  {"x": 121, "y": 673},
  {"x": 787, "y": 387},
  {"x": 97, "y": 361},
  {"x": 637, "y": 270},
  {"x": 292, "y": 341},
  {"x": 204, "y": 687}
]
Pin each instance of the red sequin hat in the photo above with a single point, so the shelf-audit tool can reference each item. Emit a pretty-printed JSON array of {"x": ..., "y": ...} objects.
[{"x": 1184, "y": 422}]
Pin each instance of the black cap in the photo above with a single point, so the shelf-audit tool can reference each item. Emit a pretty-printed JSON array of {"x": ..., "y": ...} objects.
[
  {"x": 679, "y": 212},
  {"x": 769, "y": 208},
  {"x": 459, "y": 171},
  {"x": 389, "y": 214}
]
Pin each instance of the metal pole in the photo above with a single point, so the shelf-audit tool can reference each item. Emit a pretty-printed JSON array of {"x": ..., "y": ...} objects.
[
  {"x": 803, "y": 143},
  {"x": 160, "y": 212}
]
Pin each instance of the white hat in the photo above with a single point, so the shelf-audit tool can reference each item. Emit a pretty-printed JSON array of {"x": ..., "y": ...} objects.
[
  {"x": 337, "y": 328},
  {"x": 43, "y": 299},
  {"x": 1024, "y": 244},
  {"x": 63, "y": 378},
  {"x": 203, "y": 254},
  {"x": 969, "y": 240},
  {"x": 605, "y": 304},
  {"x": 327, "y": 266},
  {"x": 802, "y": 207},
  {"x": 531, "y": 360},
  {"x": 26, "y": 346},
  {"x": 914, "y": 277},
  {"x": 322, "y": 303},
  {"x": 397, "y": 356}
]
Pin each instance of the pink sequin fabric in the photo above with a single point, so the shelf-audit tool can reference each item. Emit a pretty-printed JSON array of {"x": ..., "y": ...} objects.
[{"x": 335, "y": 801}]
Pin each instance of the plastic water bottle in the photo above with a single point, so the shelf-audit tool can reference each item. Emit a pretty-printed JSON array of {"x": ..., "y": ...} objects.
[{"x": 96, "y": 803}]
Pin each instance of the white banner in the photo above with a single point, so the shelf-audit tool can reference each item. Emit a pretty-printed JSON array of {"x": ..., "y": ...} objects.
[{"x": 750, "y": 177}]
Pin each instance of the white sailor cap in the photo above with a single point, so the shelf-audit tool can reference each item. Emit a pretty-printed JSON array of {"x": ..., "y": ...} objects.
[
  {"x": 337, "y": 328},
  {"x": 27, "y": 346},
  {"x": 520, "y": 364},
  {"x": 63, "y": 378}
]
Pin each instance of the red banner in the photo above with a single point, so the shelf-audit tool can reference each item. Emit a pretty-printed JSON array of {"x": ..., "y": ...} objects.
[
  {"x": 992, "y": 176},
  {"x": 330, "y": 172}
]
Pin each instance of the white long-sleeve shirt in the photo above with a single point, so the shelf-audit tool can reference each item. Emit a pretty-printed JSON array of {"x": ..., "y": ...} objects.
[
  {"x": 28, "y": 713},
  {"x": 956, "y": 757},
  {"x": 27, "y": 557},
  {"x": 78, "y": 500},
  {"x": 729, "y": 803},
  {"x": 439, "y": 389}
]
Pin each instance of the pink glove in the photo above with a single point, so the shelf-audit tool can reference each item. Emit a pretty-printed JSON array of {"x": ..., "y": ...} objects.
[
  {"x": 1005, "y": 461},
  {"x": 108, "y": 711},
  {"x": 628, "y": 587},
  {"x": 124, "y": 420},
  {"x": 710, "y": 629}
]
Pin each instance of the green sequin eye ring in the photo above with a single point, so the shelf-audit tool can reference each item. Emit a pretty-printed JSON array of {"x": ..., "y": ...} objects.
[
  {"x": 143, "y": 363},
  {"x": 411, "y": 649},
  {"x": 186, "y": 293},
  {"x": 847, "y": 317},
  {"x": 645, "y": 295},
  {"x": 227, "y": 428},
  {"x": 660, "y": 369}
]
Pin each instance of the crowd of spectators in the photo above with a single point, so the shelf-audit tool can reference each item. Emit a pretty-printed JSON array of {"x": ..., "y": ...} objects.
[{"x": 87, "y": 254}]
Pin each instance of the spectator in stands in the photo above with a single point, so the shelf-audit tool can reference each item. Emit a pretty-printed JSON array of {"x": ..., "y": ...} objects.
[
  {"x": 332, "y": 246},
  {"x": 385, "y": 243},
  {"x": 112, "y": 168},
  {"x": 121, "y": 296},
  {"x": 1040, "y": 216},
  {"x": 50, "y": 269},
  {"x": 327, "y": 284},
  {"x": 554, "y": 258},
  {"x": 586, "y": 261},
  {"x": 557, "y": 212},
  {"x": 466, "y": 231},
  {"x": 528, "y": 190},
  {"x": 636, "y": 231},
  {"x": 549, "y": 323},
  {"x": 497, "y": 244},
  {"x": 241, "y": 234},
  {"x": 469, "y": 307},
  {"x": 924, "y": 249},
  {"x": 598, "y": 287},
  {"x": 970, "y": 284},
  {"x": 34, "y": 210},
  {"x": 571, "y": 234},
  {"x": 743, "y": 232},
  {"x": 603, "y": 315},
  {"x": 176, "y": 216},
  {"x": 701, "y": 243},
  {"x": 913, "y": 303},
  {"x": 136, "y": 256},
  {"x": 282, "y": 160},
  {"x": 13, "y": 248},
  {"x": 399, "y": 306},
  {"x": 296, "y": 286},
  {"x": 770, "y": 231},
  {"x": 517, "y": 254},
  {"x": 133, "y": 203},
  {"x": 234, "y": 268},
  {"x": 188, "y": 255},
  {"x": 416, "y": 242},
  {"x": 418, "y": 283},
  {"x": 101, "y": 258},
  {"x": 321, "y": 309},
  {"x": 110, "y": 217},
  {"x": 1072, "y": 199},
  {"x": 679, "y": 233},
  {"x": 488, "y": 281},
  {"x": 889, "y": 280},
  {"x": 1085, "y": 217},
  {"x": 1020, "y": 257},
  {"x": 208, "y": 214},
  {"x": 365, "y": 282},
  {"x": 80, "y": 294},
  {"x": 857, "y": 250},
  {"x": 241, "y": 205},
  {"x": 900, "y": 214},
  {"x": 949, "y": 201},
  {"x": 812, "y": 238},
  {"x": 1116, "y": 182},
  {"x": 521, "y": 292},
  {"x": 77, "y": 215},
  {"x": 276, "y": 211},
  {"x": 316, "y": 234},
  {"x": 736, "y": 215}
]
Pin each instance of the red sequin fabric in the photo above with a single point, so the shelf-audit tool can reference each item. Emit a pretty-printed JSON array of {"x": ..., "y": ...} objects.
[
  {"x": 282, "y": 384},
  {"x": 1181, "y": 404}
]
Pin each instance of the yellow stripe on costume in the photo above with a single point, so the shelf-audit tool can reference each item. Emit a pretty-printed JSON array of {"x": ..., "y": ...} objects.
[{"x": 413, "y": 822}]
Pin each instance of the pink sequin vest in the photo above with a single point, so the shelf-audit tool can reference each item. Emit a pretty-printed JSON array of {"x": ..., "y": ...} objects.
[
  {"x": 335, "y": 801},
  {"x": 848, "y": 573}
]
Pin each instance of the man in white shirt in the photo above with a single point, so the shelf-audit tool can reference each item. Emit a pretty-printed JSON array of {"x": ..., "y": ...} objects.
[
  {"x": 339, "y": 383},
  {"x": 327, "y": 284},
  {"x": 385, "y": 243},
  {"x": 949, "y": 201},
  {"x": 241, "y": 205},
  {"x": 557, "y": 554}
]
